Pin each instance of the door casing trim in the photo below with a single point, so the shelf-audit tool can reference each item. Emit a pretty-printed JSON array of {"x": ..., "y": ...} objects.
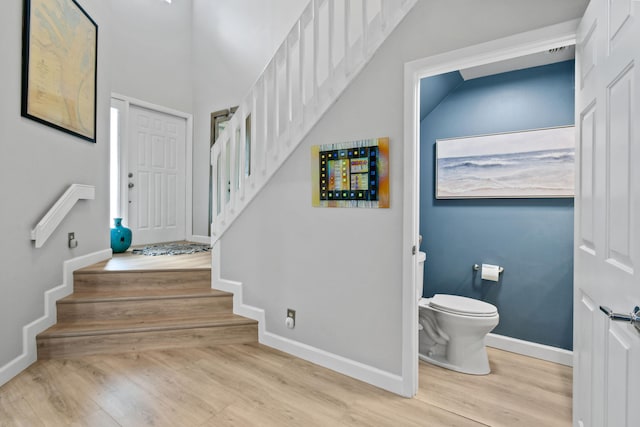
[
  {"x": 128, "y": 102},
  {"x": 526, "y": 43}
]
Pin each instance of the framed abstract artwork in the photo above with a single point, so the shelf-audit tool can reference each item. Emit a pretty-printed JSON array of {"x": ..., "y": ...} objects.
[
  {"x": 59, "y": 66},
  {"x": 351, "y": 174},
  {"x": 529, "y": 164}
]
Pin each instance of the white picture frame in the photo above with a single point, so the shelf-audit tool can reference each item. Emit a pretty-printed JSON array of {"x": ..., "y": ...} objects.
[{"x": 528, "y": 164}]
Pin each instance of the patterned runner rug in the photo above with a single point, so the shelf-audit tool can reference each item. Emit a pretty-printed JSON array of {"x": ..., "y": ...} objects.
[{"x": 171, "y": 249}]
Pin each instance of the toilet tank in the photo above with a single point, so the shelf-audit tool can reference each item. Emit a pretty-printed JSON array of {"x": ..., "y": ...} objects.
[{"x": 422, "y": 256}]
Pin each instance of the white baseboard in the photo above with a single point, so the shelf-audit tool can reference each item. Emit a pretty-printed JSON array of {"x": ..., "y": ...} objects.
[
  {"x": 369, "y": 374},
  {"x": 385, "y": 380},
  {"x": 205, "y": 240},
  {"x": 360, "y": 371},
  {"x": 29, "y": 332},
  {"x": 531, "y": 349}
]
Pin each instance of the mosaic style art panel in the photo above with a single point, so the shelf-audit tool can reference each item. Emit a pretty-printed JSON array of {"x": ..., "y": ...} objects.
[{"x": 351, "y": 174}]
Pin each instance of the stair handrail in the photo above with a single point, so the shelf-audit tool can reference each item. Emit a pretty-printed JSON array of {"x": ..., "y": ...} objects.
[
  {"x": 327, "y": 47},
  {"x": 52, "y": 219}
]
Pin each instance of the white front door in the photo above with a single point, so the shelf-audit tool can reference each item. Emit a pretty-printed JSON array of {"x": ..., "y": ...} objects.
[
  {"x": 156, "y": 176},
  {"x": 607, "y": 221}
]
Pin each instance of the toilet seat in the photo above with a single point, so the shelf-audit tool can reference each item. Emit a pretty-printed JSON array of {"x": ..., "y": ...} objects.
[{"x": 463, "y": 306}]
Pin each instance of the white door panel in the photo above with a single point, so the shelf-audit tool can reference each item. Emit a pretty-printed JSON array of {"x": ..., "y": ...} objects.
[
  {"x": 607, "y": 253},
  {"x": 156, "y": 176}
]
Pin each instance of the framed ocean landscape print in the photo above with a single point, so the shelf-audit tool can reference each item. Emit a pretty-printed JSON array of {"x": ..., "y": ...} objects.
[
  {"x": 529, "y": 164},
  {"x": 59, "y": 66}
]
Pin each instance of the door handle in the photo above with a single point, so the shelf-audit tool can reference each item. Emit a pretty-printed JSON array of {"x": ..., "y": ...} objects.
[{"x": 633, "y": 317}]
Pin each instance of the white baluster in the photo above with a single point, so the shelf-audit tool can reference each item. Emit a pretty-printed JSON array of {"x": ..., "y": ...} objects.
[
  {"x": 294, "y": 59},
  {"x": 355, "y": 35},
  {"x": 307, "y": 52},
  {"x": 261, "y": 130},
  {"x": 217, "y": 208},
  {"x": 372, "y": 25},
  {"x": 250, "y": 135},
  {"x": 241, "y": 113},
  {"x": 330, "y": 43},
  {"x": 283, "y": 94},
  {"x": 338, "y": 46},
  {"x": 323, "y": 54}
]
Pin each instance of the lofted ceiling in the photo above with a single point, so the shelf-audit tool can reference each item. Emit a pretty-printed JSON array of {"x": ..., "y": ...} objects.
[
  {"x": 435, "y": 88},
  {"x": 520, "y": 63}
]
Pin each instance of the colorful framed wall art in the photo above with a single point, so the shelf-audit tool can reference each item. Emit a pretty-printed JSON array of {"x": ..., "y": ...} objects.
[{"x": 351, "y": 174}]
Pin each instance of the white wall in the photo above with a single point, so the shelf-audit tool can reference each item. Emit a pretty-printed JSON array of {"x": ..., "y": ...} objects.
[
  {"x": 151, "y": 51},
  {"x": 341, "y": 268},
  {"x": 233, "y": 41},
  {"x": 37, "y": 165},
  {"x": 196, "y": 56}
]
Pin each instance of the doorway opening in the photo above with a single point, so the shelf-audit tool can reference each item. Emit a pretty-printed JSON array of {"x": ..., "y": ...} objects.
[
  {"x": 114, "y": 164},
  {"x": 151, "y": 171},
  {"x": 484, "y": 55},
  {"x": 117, "y": 126}
]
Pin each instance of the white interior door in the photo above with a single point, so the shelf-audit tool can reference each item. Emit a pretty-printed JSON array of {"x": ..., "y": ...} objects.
[
  {"x": 607, "y": 232},
  {"x": 156, "y": 176}
]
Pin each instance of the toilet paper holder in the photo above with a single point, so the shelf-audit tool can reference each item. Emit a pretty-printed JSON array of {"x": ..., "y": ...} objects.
[{"x": 477, "y": 267}]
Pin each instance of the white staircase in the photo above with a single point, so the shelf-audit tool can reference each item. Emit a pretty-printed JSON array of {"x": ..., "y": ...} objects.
[{"x": 331, "y": 42}]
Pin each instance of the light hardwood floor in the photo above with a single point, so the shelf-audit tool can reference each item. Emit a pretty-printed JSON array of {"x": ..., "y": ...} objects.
[
  {"x": 127, "y": 261},
  {"x": 253, "y": 385}
]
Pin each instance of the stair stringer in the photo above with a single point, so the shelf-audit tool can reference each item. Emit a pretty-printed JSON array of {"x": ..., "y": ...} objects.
[
  {"x": 323, "y": 53},
  {"x": 51, "y": 296}
]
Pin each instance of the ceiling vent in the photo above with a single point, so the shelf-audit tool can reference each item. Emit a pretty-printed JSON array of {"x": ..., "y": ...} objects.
[{"x": 557, "y": 49}]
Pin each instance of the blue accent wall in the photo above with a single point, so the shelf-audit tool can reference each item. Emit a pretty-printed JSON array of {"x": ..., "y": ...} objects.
[
  {"x": 531, "y": 238},
  {"x": 434, "y": 89}
]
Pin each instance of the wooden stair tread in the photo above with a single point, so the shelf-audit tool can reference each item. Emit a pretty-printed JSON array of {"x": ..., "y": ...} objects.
[
  {"x": 130, "y": 262},
  {"x": 134, "y": 303},
  {"x": 123, "y": 326},
  {"x": 110, "y": 282},
  {"x": 92, "y": 270},
  {"x": 141, "y": 294}
]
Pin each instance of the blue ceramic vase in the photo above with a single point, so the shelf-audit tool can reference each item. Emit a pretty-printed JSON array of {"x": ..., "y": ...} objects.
[{"x": 120, "y": 236}]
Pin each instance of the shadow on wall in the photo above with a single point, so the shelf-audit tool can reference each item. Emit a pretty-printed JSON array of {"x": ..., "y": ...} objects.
[{"x": 531, "y": 238}]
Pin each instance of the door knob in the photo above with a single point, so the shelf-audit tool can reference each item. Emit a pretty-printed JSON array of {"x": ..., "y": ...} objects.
[
  {"x": 131, "y": 185},
  {"x": 633, "y": 317}
]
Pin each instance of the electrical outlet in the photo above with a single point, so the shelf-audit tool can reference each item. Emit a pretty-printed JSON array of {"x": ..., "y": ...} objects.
[
  {"x": 290, "y": 320},
  {"x": 72, "y": 242}
]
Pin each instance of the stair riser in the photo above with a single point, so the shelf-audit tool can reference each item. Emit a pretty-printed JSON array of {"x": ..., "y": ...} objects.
[
  {"x": 67, "y": 347},
  {"x": 140, "y": 310},
  {"x": 109, "y": 282}
]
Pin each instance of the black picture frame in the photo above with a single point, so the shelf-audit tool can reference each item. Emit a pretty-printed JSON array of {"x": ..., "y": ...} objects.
[{"x": 60, "y": 66}]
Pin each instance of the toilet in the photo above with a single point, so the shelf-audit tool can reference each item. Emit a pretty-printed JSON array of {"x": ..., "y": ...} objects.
[{"x": 452, "y": 330}]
